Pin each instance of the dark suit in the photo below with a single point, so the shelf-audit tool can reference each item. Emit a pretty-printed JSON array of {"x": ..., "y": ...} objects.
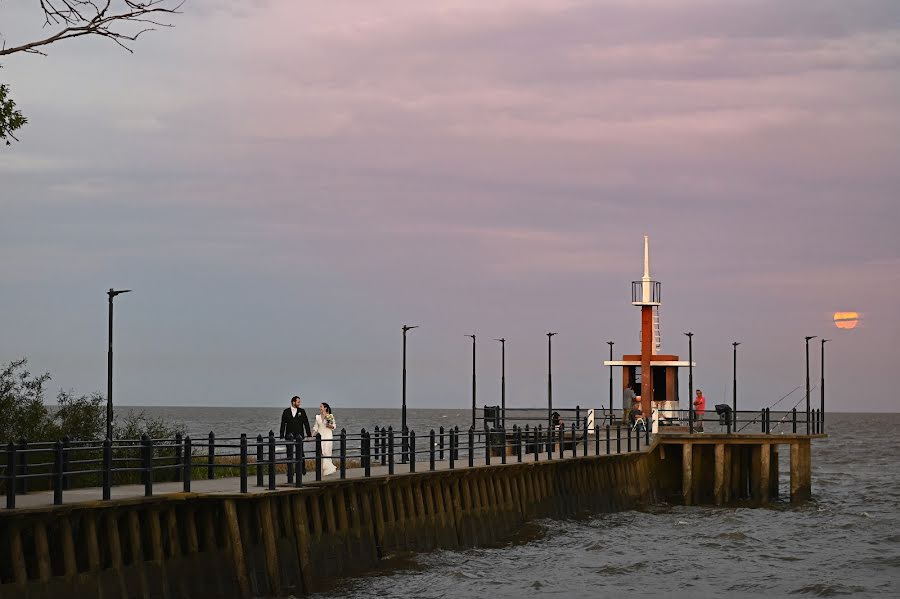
[{"x": 298, "y": 426}]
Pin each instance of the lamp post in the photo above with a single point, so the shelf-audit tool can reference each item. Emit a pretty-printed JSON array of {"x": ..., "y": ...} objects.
[
  {"x": 690, "y": 337},
  {"x": 109, "y": 365},
  {"x": 610, "y": 344},
  {"x": 822, "y": 387},
  {"x": 808, "y": 337},
  {"x": 734, "y": 386},
  {"x": 550, "y": 379},
  {"x": 405, "y": 443},
  {"x": 502, "y": 381},
  {"x": 473, "y": 380}
]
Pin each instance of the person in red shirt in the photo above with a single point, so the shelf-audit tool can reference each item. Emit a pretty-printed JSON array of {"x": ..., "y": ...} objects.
[{"x": 699, "y": 408}]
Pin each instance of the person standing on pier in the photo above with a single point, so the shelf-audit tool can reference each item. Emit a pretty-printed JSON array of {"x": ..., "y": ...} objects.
[
  {"x": 324, "y": 427},
  {"x": 628, "y": 399},
  {"x": 295, "y": 422},
  {"x": 699, "y": 408}
]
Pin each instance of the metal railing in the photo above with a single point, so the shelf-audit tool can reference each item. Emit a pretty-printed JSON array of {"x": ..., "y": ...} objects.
[{"x": 107, "y": 464}]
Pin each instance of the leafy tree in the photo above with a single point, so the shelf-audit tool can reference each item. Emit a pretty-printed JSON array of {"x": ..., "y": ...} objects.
[
  {"x": 23, "y": 413},
  {"x": 10, "y": 118},
  {"x": 121, "y": 21}
]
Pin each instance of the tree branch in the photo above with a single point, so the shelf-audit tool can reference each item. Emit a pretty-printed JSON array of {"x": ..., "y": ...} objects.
[{"x": 77, "y": 18}]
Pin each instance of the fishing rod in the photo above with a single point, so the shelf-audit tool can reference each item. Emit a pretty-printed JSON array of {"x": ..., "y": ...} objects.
[{"x": 781, "y": 399}]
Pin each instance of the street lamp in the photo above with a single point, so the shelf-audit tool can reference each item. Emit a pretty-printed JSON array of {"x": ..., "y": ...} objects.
[
  {"x": 109, "y": 366},
  {"x": 734, "y": 385},
  {"x": 822, "y": 387},
  {"x": 502, "y": 379},
  {"x": 690, "y": 337},
  {"x": 474, "y": 407},
  {"x": 405, "y": 443},
  {"x": 610, "y": 344},
  {"x": 550, "y": 379},
  {"x": 808, "y": 337}
]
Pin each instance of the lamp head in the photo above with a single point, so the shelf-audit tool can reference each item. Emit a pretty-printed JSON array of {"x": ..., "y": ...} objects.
[
  {"x": 808, "y": 337},
  {"x": 409, "y": 328},
  {"x": 551, "y": 334},
  {"x": 113, "y": 293}
]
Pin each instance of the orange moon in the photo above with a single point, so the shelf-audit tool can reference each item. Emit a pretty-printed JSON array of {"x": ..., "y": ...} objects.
[{"x": 846, "y": 320}]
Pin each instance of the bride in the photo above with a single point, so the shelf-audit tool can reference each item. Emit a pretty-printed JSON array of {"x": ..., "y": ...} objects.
[{"x": 324, "y": 427}]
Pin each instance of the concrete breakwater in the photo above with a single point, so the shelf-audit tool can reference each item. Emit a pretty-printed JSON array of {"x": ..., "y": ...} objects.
[{"x": 190, "y": 545}]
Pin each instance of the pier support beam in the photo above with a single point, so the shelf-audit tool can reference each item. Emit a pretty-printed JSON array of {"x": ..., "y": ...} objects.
[
  {"x": 719, "y": 475},
  {"x": 801, "y": 471},
  {"x": 765, "y": 471},
  {"x": 773, "y": 474},
  {"x": 687, "y": 473}
]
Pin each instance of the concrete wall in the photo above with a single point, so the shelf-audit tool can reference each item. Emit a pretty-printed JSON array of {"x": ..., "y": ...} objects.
[{"x": 265, "y": 544}]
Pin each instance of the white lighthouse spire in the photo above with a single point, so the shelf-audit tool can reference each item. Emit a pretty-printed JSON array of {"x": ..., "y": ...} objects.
[{"x": 645, "y": 280}]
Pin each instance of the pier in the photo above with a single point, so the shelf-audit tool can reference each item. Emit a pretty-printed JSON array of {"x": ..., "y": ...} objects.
[{"x": 229, "y": 537}]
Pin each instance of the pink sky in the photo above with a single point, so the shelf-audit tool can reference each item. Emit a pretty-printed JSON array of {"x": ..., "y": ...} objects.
[{"x": 285, "y": 184}]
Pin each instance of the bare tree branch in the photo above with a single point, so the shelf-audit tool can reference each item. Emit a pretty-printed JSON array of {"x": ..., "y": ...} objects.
[{"x": 77, "y": 18}]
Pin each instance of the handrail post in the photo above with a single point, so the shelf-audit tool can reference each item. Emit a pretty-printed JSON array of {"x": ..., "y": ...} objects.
[
  {"x": 384, "y": 447},
  {"x": 794, "y": 420},
  {"x": 584, "y": 439},
  {"x": 390, "y": 456},
  {"x": 441, "y": 443},
  {"x": 244, "y": 462},
  {"x": 366, "y": 441},
  {"x": 471, "y": 446},
  {"x": 607, "y": 440},
  {"x": 518, "y": 435},
  {"x": 343, "y": 454},
  {"x": 11, "y": 475},
  {"x": 260, "y": 461},
  {"x": 488, "y": 445},
  {"x": 289, "y": 456},
  {"x": 107, "y": 469},
  {"x": 65, "y": 464},
  {"x": 618, "y": 438},
  {"x": 647, "y": 432},
  {"x": 550, "y": 432},
  {"x": 272, "y": 460},
  {"x": 452, "y": 444},
  {"x": 178, "y": 457},
  {"x": 188, "y": 469},
  {"x": 431, "y": 449},
  {"x": 412, "y": 450},
  {"x": 211, "y": 457},
  {"x": 577, "y": 416},
  {"x": 728, "y": 424},
  {"x": 57, "y": 473},
  {"x": 300, "y": 467},
  {"x": 596, "y": 438},
  {"x": 562, "y": 438},
  {"x": 23, "y": 465},
  {"x": 628, "y": 432},
  {"x": 762, "y": 419},
  {"x": 538, "y": 438},
  {"x": 148, "y": 464}
]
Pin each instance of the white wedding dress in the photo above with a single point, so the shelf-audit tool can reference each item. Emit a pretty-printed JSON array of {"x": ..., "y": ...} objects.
[{"x": 327, "y": 434}]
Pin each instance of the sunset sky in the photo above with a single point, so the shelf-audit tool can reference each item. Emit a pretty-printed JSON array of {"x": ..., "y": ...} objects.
[{"x": 284, "y": 184}]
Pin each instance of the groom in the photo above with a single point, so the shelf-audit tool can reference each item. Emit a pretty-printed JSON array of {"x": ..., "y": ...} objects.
[{"x": 295, "y": 422}]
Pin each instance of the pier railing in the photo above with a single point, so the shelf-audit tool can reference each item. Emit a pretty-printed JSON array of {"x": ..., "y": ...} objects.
[
  {"x": 766, "y": 421},
  {"x": 257, "y": 462}
]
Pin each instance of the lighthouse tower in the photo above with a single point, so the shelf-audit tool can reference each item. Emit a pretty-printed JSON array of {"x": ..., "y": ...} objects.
[
  {"x": 653, "y": 376},
  {"x": 646, "y": 294}
]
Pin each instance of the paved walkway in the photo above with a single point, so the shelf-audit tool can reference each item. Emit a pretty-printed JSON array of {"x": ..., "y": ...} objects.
[{"x": 232, "y": 485}]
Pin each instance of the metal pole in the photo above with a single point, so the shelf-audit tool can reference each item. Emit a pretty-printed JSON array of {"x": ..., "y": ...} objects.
[
  {"x": 473, "y": 378},
  {"x": 109, "y": 363},
  {"x": 734, "y": 383},
  {"x": 502, "y": 382},
  {"x": 808, "y": 337},
  {"x": 550, "y": 380},
  {"x": 690, "y": 337},
  {"x": 610, "y": 343},
  {"x": 403, "y": 440},
  {"x": 109, "y": 371},
  {"x": 822, "y": 387}
]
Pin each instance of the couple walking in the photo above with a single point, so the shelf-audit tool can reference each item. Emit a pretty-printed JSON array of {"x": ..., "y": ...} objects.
[{"x": 295, "y": 423}]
